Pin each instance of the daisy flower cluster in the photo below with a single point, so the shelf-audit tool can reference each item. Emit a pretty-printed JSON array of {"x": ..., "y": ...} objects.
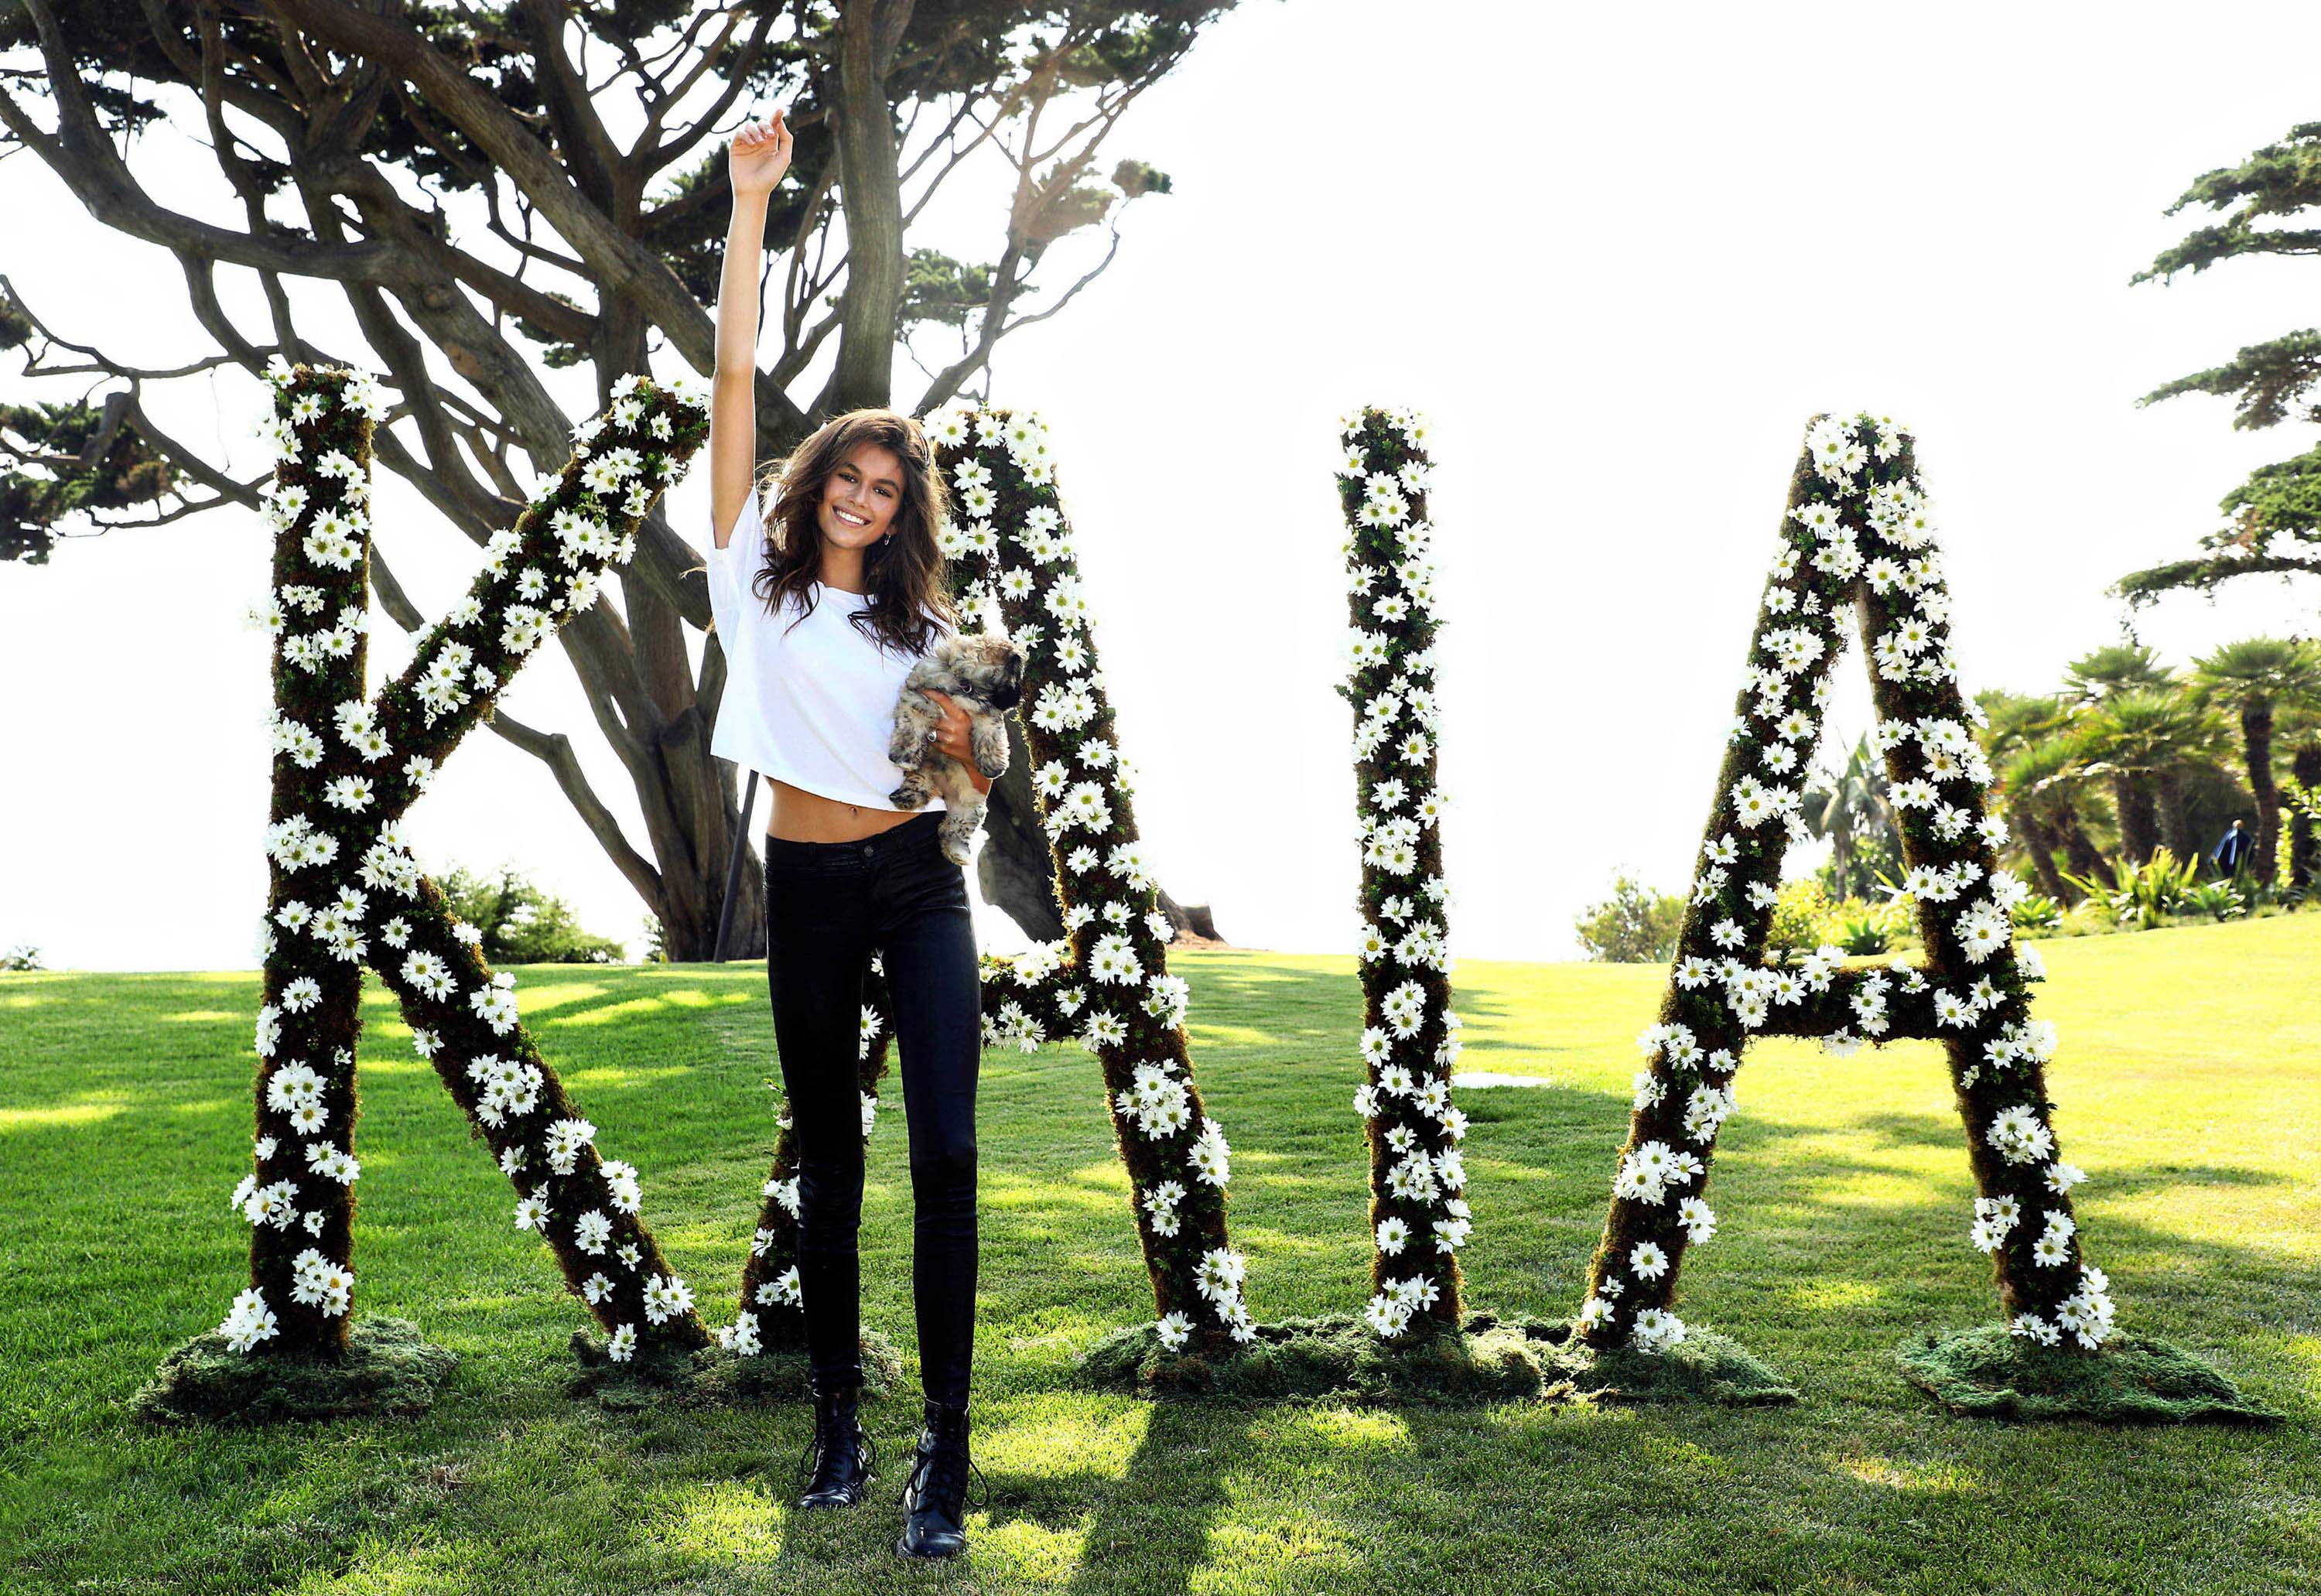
[
  {"x": 1858, "y": 538},
  {"x": 347, "y": 893},
  {"x": 1419, "y": 1215},
  {"x": 770, "y": 1278},
  {"x": 1106, "y": 982}
]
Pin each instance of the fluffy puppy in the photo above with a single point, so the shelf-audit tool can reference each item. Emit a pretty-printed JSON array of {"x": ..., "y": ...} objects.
[{"x": 983, "y": 673}]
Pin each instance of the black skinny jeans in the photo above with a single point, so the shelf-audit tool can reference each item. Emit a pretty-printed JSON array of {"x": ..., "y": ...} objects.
[{"x": 828, "y": 906}]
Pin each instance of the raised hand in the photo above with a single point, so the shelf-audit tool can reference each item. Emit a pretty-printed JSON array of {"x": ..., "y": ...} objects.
[{"x": 758, "y": 156}]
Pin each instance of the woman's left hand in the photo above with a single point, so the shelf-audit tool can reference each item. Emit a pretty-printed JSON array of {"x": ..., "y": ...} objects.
[{"x": 950, "y": 737}]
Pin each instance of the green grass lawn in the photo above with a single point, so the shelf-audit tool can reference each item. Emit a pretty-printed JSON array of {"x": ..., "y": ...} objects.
[{"x": 2190, "y": 1086}]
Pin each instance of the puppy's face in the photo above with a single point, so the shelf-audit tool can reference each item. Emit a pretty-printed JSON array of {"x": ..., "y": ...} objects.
[{"x": 992, "y": 666}]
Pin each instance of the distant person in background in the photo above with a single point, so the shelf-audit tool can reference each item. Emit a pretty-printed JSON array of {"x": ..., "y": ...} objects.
[{"x": 2236, "y": 847}]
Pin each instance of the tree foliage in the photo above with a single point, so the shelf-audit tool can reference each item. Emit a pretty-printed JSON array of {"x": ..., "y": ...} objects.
[
  {"x": 1848, "y": 804},
  {"x": 499, "y": 191},
  {"x": 86, "y": 458},
  {"x": 1635, "y": 925},
  {"x": 2270, "y": 526},
  {"x": 522, "y": 923}
]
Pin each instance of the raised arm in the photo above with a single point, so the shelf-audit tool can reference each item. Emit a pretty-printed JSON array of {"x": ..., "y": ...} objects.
[{"x": 756, "y": 160}]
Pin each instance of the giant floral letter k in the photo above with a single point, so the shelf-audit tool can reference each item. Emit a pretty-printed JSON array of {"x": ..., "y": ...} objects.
[{"x": 346, "y": 892}]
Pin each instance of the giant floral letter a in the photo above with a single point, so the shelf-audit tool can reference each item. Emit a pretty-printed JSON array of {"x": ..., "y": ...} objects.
[
  {"x": 345, "y": 892},
  {"x": 1857, "y": 540}
]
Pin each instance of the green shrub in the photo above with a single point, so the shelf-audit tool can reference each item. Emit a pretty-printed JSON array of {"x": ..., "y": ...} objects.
[
  {"x": 2038, "y": 913},
  {"x": 1798, "y": 916},
  {"x": 2217, "y": 899},
  {"x": 2143, "y": 896},
  {"x": 1635, "y": 925},
  {"x": 523, "y": 925},
  {"x": 22, "y": 956},
  {"x": 1874, "y": 858},
  {"x": 2090, "y": 916},
  {"x": 1863, "y": 928}
]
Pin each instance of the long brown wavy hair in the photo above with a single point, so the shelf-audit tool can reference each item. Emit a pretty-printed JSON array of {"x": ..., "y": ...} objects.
[{"x": 904, "y": 573}]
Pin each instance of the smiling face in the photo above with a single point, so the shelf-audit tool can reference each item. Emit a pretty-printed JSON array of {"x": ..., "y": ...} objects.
[
  {"x": 860, "y": 497},
  {"x": 859, "y": 505}
]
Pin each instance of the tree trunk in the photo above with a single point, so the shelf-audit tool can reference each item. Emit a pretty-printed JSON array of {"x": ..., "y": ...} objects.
[
  {"x": 1193, "y": 917},
  {"x": 2087, "y": 859},
  {"x": 690, "y": 920},
  {"x": 2039, "y": 843},
  {"x": 2137, "y": 826},
  {"x": 2175, "y": 828},
  {"x": 2303, "y": 835},
  {"x": 2256, "y": 739},
  {"x": 1013, "y": 870},
  {"x": 865, "y": 136}
]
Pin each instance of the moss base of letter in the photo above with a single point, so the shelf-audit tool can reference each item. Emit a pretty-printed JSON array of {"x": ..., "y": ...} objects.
[
  {"x": 1705, "y": 1367},
  {"x": 714, "y": 1376},
  {"x": 1339, "y": 1358},
  {"x": 385, "y": 1368},
  {"x": 1987, "y": 1373}
]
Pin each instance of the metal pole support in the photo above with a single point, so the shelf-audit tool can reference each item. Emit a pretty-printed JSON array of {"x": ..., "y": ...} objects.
[{"x": 734, "y": 868}]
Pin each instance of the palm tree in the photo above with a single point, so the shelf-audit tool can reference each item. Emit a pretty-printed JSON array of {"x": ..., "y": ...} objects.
[
  {"x": 2037, "y": 789},
  {"x": 2066, "y": 786},
  {"x": 2144, "y": 738},
  {"x": 1840, "y": 804},
  {"x": 2301, "y": 728},
  {"x": 2256, "y": 677},
  {"x": 2120, "y": 667},
  {"x": 2034, "y": 768}
]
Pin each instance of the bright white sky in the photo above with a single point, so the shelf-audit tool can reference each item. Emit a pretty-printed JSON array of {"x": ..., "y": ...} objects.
[{"x": 1618, "y": 256}]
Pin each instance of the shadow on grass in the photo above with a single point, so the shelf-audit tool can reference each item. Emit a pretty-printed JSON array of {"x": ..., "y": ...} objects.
[
  {"x": 1900, "y": 1261},
  {"x": 1894, "y": 1129},
  {"x": 1152, "y": 1527},
  {"x": 1822, "y": 1264}
]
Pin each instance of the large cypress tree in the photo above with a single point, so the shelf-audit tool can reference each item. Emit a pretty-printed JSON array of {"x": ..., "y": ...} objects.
[
  {"x": 498, "y": 188},
  {"x": 2273, "y": 520}
]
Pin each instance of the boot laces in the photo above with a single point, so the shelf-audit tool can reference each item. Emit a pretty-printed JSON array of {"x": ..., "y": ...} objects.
[{"x": 937, "y": 1479}]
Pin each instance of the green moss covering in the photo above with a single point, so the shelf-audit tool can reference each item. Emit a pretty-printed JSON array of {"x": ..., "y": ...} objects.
[
  {"x": 1335, "y": 1356},
  {"x": 715, "y": 1376},
  {"x": 1705, "y": 1366},
  {"x": 1989, "y": 1373},
  {"x": 385, "y": 1368}
]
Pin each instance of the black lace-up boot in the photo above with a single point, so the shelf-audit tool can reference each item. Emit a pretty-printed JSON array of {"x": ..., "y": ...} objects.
[
  {"x": 934, "y": 1496},
  {"x": 839, "y": 1453}
]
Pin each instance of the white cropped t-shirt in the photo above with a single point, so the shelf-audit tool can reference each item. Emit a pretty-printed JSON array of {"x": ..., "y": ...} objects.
[{"x": 812, "y": 704}]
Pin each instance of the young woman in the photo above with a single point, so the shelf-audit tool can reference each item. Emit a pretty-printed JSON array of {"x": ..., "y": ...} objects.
[{"x": 823, "y": 600}]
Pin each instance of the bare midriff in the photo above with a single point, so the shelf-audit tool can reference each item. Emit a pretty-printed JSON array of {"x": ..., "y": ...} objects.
[{"x": 802, "y": 816}]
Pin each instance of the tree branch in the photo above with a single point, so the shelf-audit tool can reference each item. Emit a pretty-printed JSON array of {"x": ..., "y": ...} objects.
[
  {"x": 552, "y": 749},
  {"x": 228, "y": 490},
  {"x": 654, "y": 152},
  {"x": 80, "y": 153},
  {"x": 624, "y": 267}
]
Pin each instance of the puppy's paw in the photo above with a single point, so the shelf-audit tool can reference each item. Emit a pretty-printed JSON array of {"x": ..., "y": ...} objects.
[{"x": 907, "y": 797}]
